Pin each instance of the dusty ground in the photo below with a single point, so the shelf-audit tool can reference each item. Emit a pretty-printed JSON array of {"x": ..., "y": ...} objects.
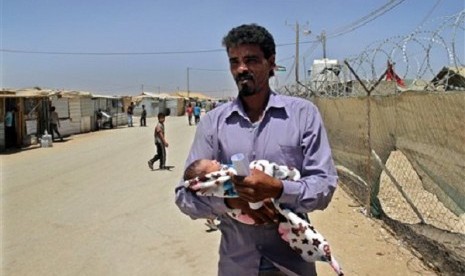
[
  {"x": 91, "y": 206},
  {"x": 429, "y": 207}
]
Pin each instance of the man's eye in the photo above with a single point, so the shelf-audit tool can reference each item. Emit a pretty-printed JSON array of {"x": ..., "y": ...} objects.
[{"x": 251, "y": 60}]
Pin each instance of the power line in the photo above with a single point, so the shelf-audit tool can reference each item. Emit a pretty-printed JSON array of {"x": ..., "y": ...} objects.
[
  {"x": 210, "y": 70},
  {"x": 429, "y": 13},
  {"x": 15, "y": 51},
  {"x": 367, "y": 18},
  {"x": 109, "y": 53}
]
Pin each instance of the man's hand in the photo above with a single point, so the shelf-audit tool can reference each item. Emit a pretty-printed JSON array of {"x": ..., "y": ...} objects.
[
  {"x": 257, "y": 186},
  {"x": 265, "y": 215}
]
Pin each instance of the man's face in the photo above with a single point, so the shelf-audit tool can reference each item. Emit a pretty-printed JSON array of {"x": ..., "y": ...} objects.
[{"x": 250, "y": 69}]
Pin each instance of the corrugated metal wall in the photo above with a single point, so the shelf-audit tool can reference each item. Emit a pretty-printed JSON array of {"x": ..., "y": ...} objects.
[
  {"x": 86, "y": 124},
  {"x": 87, "y": 107},
  {"x": 120, "y": 119},
  {"x": 75, "y": 109},
  {"x": 87, "y": 114},
  {"x": 151, "y": 106},
  {"x": 69, "y": 127},
  {"x": 172, "y": 105},
  {"x": 61, "y": 107}
]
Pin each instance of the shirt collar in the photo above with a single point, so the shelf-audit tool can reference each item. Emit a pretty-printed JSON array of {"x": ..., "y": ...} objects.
[{"x": 274, "y": 102}]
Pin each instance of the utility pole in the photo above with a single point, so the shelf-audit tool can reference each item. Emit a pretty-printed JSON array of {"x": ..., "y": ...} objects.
[
  {"x": 305, "y": 69},
  {"x": 297, "y": 55},
  {"x": 323, "y": 41},
  {"x": 142, "y": 88},
  {"x": 297, "y": 65}
]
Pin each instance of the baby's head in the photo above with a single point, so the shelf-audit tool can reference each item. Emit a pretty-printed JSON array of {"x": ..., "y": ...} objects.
[{"x": 201, "y": 167}]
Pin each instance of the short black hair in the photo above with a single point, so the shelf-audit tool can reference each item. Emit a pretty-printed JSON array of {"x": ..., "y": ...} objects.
[
  {"x": 251, "y": 34},
  {"x": 161, "y": 115}
]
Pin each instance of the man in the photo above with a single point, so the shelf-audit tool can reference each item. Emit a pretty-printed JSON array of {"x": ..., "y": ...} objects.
[
  {"x": 99, "y": 116},
  {"x": 54, "y": 123},
  {"x": 262, "y": 125},
  {"x": 10, "y": 127},
  {"x": 130, "y": 111},
  {"x": 143, "y": 116}
]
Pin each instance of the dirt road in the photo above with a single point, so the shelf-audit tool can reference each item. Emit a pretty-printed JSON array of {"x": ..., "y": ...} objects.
[{"x": 91, "y": 206}]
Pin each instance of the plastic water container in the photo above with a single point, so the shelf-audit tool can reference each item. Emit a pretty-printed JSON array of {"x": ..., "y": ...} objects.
[
  {"x": 241, "y": 164},
  {"x": 46, "y": 140}
]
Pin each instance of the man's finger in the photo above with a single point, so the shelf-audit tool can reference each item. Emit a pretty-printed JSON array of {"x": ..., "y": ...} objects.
[
  {"x": 262, "y": 218},
  {"x": 237, "y": 179},
  {"x": 246, "y": 193}
]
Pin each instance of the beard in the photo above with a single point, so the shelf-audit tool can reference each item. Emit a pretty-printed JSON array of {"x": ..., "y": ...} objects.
[{"x": 244, "y": 89}]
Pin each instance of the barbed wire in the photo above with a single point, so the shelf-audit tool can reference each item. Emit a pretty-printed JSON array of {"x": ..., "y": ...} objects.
[{"x": 417, "y": 59}]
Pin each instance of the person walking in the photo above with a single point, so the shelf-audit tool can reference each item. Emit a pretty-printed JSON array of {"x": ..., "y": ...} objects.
[
  {"x": 99, "y": 117},
  {"x": 197, "y": 111},
  {"x": 10, "y": 128},
  {"x": 189, "y": 111},
  {"x": 143, "y": 117},
  {"x": 130, "y": 112},
  {"x": 261, "y": 124},
  {"x": 160, "y": 143},
  {"x": 54, "y": 123}
]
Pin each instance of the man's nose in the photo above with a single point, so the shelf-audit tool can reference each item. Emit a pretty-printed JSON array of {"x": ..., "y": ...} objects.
[{"x": 243, "y": 67}]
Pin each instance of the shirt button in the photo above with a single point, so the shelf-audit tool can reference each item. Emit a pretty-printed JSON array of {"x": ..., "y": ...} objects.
[{"x": 259, "y": 247}]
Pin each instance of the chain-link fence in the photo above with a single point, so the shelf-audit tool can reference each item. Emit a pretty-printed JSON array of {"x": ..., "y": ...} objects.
[{"x": 399, "y": 143}]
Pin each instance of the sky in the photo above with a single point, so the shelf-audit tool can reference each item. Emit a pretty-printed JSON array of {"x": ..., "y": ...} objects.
[{"x": 125, "y": 47}]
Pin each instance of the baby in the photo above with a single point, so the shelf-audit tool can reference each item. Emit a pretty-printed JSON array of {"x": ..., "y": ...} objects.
[{"x": 210, "y": 178}]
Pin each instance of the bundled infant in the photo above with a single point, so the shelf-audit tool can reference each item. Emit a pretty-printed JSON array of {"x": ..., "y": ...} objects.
[{"x": 210, "y": 178}]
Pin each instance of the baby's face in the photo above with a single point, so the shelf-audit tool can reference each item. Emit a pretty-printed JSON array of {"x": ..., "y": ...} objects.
[{"x": 210, "y": 166}]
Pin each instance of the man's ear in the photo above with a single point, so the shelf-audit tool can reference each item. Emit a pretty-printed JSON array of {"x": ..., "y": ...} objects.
[{"x": 272, "y": 61}]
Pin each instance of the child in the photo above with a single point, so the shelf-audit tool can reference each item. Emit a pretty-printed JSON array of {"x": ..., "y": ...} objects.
[
  {"x": 160, "y": 143},
  {"x": 197, "y": 111},
  {"x": 189, "y": 111},
  {"x": 143, "y": 117},
  {"x": 210, "y": 178}
]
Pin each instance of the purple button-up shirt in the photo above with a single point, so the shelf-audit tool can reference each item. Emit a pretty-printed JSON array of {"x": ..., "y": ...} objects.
[{"x": 291, "y": 133}]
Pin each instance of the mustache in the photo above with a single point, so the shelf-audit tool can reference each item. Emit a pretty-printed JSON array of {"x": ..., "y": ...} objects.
[{"x": 244, "y": 76}]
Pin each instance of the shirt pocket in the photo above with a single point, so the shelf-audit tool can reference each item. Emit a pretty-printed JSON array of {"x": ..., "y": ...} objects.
[{"x": 292, "y": 156}]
